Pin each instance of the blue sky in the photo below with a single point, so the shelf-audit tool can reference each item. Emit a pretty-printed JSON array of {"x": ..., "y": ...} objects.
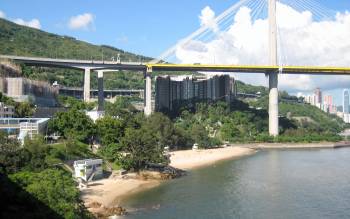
[
  {"x": 146, "y": 27},
  {"x": 143, "y": 26}
]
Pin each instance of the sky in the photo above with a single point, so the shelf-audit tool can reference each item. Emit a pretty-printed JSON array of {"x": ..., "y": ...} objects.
[{"x": 151, "y": 27}]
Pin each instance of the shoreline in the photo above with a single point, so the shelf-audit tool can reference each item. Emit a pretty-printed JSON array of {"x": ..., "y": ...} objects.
[
  {"x": 192, "y": 159},
  {"x": 112, "y": 191},
  {"x": 318, "y": 145}
]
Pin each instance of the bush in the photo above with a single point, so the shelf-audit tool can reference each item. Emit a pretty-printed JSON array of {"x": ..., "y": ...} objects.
[{"x": 55, "y": 188}]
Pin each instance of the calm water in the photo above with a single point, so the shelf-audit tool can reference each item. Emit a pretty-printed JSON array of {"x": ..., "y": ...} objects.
[{"x": 271, "y": 184}]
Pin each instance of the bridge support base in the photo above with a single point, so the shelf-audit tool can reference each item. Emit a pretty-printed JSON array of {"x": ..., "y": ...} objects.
[
  {"x": 273, "y": 104},
  {"x": 101, "y": 97},
  {"x": 148, "y": 93},
  {"x": 87, "y": 84}
]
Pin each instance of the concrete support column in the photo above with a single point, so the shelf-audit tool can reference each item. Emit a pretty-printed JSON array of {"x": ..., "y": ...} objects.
[
  {"x": 273, "y": 104},
  {"x": 273, "y": 76},
  {"x": 148, "y": 92},
  {"x": 101, "y": 97},
  {"x": 87, "y": 84}
]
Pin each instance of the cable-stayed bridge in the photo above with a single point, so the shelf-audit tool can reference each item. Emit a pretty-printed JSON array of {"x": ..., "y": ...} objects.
[{"x": 273, "y": 66}]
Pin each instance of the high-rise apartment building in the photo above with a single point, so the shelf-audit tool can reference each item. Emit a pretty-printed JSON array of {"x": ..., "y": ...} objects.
[
  {"x": 346, "y": 101},
  {"x": 318, "y": 94},
  {"x": 175, "y": 92}
]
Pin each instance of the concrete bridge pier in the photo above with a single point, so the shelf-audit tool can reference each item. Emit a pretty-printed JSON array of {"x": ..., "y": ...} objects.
[
  {"x": 87, "y": 84},
  {"x": 273, "y": 104},
  {"x": 101, "y": 97},
  {"x": 273, "y": 76},
  {"x": 148, "y": 92}
]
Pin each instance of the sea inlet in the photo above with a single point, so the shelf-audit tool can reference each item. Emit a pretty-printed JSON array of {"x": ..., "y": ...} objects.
[{"x": 270, "y": 184}]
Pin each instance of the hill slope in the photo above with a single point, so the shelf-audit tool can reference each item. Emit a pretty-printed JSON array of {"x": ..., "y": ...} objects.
[
  {"x": 25, "y": 41},
  {"x": 21, "y": 40}
]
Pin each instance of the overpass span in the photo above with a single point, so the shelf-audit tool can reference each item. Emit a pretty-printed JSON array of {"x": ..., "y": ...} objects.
[
  {"x": 75, "y": 63},
  {"x": 139, "y": 66}
]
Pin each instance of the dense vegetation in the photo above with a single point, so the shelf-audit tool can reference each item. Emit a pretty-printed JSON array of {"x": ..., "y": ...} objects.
[
  {"x": 21, "y": 40},
  {"x": 32, "y": 175},
  {"x": 132, "y": 141},
  {"x": 129, "y": 140},
  {"x": 306, "y": 116}
]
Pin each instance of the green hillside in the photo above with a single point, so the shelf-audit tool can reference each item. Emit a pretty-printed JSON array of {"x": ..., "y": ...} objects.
[
  {"x": 21, "y": 40},
  {"x": 25, "y": 41}
]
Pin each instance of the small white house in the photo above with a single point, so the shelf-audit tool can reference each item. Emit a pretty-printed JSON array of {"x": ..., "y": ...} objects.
[
  {"x": 88, "y": 169},
  {"x": 95, "y": 115}
]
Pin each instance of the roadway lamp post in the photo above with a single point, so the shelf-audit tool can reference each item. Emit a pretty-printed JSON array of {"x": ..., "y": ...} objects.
[{"x": 273, "y": 76}]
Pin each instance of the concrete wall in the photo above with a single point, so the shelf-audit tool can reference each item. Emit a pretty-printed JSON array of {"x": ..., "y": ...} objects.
[{"x": 22, "y": 89}]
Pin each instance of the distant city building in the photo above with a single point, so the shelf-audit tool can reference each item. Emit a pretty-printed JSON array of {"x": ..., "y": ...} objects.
[
  {"x": 328, "y": 104},
  {"x": 346, "y": 106},
  {"x": 6, "y": 111},
  {"x": 318, "y": 95},
  {"x": 171, "y": 93},
  {"x": 346, "y": 101}
]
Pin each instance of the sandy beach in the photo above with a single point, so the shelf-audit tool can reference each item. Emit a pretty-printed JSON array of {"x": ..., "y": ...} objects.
[
  {"x": 109, "y": 192},
  {"x": 190, "y": 159}
]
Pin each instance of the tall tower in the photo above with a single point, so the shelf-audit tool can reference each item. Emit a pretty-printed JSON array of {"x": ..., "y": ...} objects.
[
  {"x": 318, "y": 94},
  {"x": 273, "y": 76},
  {"x": 346, "y": 101}
]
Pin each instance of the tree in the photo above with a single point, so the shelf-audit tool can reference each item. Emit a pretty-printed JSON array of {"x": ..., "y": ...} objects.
[
  {"x": 109, "y": 130},
  {"x": 162, "y": 127},
  {"x": 74, "y": 103},
  {"x": 56, "y": 189},
  {"x": 121, "y": 108},
  {"x": 141, "y": 148},
  {"x": 12, "y": 156},
  {"x": 36, "y": 150},
  {"x": 73, "y": 124},
  {"x": 200, "y": 135},
  {"x": 24, "y": 109},
  {"x": 229, "y": 132}
]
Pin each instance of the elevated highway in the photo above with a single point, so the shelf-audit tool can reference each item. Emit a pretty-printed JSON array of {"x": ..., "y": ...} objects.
[{"x": 139, "y": 66}]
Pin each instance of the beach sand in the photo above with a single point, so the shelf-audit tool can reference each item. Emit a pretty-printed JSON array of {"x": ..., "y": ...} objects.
[
  {"x": 109, "y": 192},
  {"x": 190, "y": 159}
]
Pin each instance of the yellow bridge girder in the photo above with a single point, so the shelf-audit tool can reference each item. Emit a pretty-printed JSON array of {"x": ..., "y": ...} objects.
[{"x": 251, "y": 69}]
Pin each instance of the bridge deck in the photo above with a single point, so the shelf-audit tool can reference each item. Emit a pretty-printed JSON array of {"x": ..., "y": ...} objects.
[
  {"x": 137, "y": 66},
  {"x": 253, "y": 69}
]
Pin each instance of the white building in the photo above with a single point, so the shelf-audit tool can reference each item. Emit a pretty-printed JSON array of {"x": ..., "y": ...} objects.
[
  {"x": 95, "y": 115},
  {"x": 88, "y": 170},
  {"x": 6, "y": 111},
  {"x": 32, "y": 127}
]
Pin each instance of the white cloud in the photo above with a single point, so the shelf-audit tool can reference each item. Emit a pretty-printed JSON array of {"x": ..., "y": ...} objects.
[
  {"x": 2, "y": 14},
  {"x": 34, "y": 23},
  {"x": 303, "y": 41},
  {"x": 82, "y": 21},
  {"x": 207, "y": 18}
]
